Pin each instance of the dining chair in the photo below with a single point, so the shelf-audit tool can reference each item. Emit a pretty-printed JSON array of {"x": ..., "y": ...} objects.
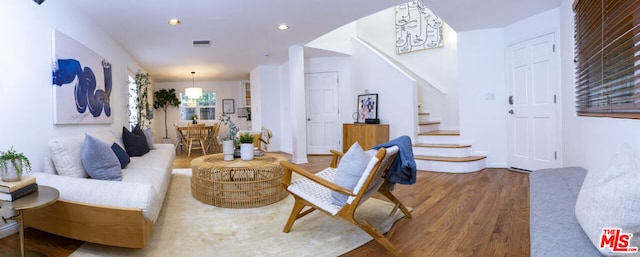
[
  {"x": 215, "y": 144},
  {"x": 182, "y": 140},
  {"x": 196, "y": 133}
]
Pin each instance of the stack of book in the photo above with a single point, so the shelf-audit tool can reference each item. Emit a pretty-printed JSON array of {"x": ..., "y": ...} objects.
[{"x": 11, "y": 191}]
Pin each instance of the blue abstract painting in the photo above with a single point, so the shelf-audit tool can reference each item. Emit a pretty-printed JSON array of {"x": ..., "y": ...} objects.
[{"x": 82, "y": 84}]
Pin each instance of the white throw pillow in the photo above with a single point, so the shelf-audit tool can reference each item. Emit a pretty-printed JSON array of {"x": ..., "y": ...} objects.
[
  {"x": 349, "y": 171},
  {"x": 66, "y": 152},
  {"x": 610, "y": 199}
]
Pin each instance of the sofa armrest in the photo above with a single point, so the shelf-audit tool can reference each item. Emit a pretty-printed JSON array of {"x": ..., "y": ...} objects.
[{"x": 104, "y": 193}]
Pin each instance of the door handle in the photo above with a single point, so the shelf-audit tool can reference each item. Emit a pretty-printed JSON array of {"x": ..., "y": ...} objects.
[
  {"x": 308, "y": 119},
  {"x": 511, "y": 100},
  {"x": 510, "y": 111}
]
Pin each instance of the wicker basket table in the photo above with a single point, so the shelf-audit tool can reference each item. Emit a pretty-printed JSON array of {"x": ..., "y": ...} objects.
[{"x": 237, "y": 183}]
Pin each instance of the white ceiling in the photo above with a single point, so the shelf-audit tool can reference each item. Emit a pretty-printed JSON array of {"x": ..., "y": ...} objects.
[{"x": 244, "y": 33}]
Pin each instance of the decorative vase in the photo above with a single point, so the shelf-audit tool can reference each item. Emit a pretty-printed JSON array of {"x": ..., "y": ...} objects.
[
  {"x": 228, "y": 149},
  {"x": 10, "y": 174},
  {"x": 246, "y": 151}
]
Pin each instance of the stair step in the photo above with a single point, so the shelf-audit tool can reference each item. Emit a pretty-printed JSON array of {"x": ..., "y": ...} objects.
[
  {"x": 429, "y": 123},
  {"x": 423, "y": 113},
  {"x": 450, "y": 164},
  {"x": 447, "y": 150},
  {"x": 449, "y": 159},
  {"x": 442, "y": 145},
  {"x": 441, "y": 133}
]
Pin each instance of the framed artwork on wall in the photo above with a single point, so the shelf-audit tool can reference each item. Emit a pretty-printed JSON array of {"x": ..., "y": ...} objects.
[
  {"x": 417, "y": 28},
  {"x": 82, "y": 83},
  {"x": 228, "y": 106},
  {"x": 367, "y": 107}
]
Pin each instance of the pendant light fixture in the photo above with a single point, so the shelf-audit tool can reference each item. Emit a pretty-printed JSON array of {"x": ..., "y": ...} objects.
[{"x": 193, "y": 92}]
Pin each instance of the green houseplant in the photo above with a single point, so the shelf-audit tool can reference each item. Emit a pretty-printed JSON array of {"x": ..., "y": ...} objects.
[
  {"x": 246, "y": 138},
  {"x": 163, "y": 99},
  {"x": 143, "y": 108},
  {"x": 246, "y": 146},
  {"x": 13, "y": 165}
]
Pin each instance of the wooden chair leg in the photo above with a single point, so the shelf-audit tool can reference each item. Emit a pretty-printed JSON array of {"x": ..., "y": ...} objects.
[
  {"x": 202, "y": 145},
  {"x": 297, "y": 207},
  {"x": 373, "y": 232},
  {"x": 384, "y": 191}
]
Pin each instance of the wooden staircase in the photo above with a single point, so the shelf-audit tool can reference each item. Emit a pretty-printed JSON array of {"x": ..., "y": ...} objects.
[{"x": 440, "y": 150}]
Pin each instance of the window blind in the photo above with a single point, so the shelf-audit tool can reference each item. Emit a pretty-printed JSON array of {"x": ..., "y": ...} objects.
[{"x": 607, "y": 50}]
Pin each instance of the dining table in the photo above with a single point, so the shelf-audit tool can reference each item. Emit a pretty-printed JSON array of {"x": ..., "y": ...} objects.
[{"x": 181, "y": 131}]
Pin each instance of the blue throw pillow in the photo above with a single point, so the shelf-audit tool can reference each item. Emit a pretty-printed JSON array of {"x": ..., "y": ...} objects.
[
  {"x": 149, "y": 138},
  {"x": 349, "y": 171},
  {"x": 135, "y": 143},
  {"x": 122, "y": 155},
  {"x": 99, "y": 160}
]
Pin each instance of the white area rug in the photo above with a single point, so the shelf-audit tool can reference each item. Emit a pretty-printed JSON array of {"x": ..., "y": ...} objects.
[{"x": 188, "y": 227}]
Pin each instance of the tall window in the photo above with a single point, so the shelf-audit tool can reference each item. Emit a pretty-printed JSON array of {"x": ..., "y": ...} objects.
[
  {"x": 607, "y": 49},
  {"x": 205, "y": 107}
]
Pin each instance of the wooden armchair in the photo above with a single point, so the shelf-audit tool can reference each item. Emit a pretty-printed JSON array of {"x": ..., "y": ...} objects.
[{"x": 313, "y": 190}]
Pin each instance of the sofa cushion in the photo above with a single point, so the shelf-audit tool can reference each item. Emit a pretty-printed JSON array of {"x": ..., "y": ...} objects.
[
  {"x": 122, "y": 155},
  {"x": 99, "y": 160},
  {"x": 135, "y": 143},
  {"x": 65, "y": 152},
  {"x": 349, "y": 171},
  {"x": 552, "y": 221},
  {"x": 608, "y": 199}
]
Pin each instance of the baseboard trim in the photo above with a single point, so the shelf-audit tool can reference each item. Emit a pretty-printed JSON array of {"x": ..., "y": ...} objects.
[{"x": 8, "y": 229}]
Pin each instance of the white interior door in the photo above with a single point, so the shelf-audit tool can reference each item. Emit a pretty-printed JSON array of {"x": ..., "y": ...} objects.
[
  {"x": 531, "y": 92},
  {"x": 323, "y": 117}
]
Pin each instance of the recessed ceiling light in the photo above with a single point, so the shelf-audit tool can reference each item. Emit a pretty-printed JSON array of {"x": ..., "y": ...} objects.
[
  {"x": 174, "y": 22},
  {"x": 283, "y": 27}
]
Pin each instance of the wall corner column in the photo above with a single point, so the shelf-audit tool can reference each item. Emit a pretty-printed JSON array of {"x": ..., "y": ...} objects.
[{"x": 298, "y": 106}]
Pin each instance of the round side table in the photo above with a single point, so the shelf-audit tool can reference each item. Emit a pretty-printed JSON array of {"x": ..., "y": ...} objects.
[
  {"x": 238, "y": 183},
  {"x": 44, "y": 196}
]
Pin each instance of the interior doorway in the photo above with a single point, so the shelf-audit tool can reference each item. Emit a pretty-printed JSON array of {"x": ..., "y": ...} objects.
[{"x": 323, "y": 115}]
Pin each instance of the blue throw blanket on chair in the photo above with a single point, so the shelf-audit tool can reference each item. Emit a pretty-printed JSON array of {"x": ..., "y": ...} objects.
[{"x": 403, "y": 169}]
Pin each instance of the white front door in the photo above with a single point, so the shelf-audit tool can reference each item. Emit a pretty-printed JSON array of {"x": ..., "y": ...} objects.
[
  {"x": 323, "y": 117},
  {"x": 532, "y": 109}
]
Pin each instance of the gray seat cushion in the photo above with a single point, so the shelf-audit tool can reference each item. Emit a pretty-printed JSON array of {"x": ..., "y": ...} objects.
[{"x": 554, "y": 229}]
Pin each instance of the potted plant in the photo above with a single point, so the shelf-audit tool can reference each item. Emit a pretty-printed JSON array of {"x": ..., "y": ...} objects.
[
  {"x": 229, "y": 140},
  {"x": 142, "y": 106},
  {"x": 164, "y": 98},
  {"x": 246, "y": 147},
  {"x": 13, "y": 165}
]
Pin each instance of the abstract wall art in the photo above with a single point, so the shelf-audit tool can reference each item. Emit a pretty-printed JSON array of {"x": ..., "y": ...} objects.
[
  {"x": 417, "y": 28},
  {"x": 367, "y": 107},
  {"x": 81, "y": 83}
]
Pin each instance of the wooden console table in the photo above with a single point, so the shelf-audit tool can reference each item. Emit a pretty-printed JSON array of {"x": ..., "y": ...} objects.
[
  {"x": 238, "y": 183},
  {"x": 367, "y": 135}
]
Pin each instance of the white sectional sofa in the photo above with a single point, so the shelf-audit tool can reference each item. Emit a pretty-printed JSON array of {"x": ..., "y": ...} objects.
[{"x": 118, "y": 213}]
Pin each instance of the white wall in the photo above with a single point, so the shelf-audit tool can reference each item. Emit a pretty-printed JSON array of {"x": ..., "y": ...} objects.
[
  {"x": 26, "y": 91},
  {"x": 224, "y": 90},
  {"x": 267, "y": 105},
  {"x": 397, "y": 93},
  {"x": 438, "y": 66},
  {"x": 482, "y": 90},
  {"x": 588, "y": 142}
]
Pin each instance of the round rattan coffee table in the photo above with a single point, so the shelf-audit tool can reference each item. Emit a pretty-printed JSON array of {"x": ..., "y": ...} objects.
[{"x": 237, "y": 183}]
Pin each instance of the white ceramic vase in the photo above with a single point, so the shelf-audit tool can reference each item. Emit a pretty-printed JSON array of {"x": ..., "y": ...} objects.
[
  {"x": 10, "y": 174},
  {"x": 228, "y": 149},
  {"x": 246, "y": 151}
]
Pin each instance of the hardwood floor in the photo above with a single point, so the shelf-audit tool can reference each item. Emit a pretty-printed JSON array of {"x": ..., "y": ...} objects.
[{"x": 484, "y": 213}]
